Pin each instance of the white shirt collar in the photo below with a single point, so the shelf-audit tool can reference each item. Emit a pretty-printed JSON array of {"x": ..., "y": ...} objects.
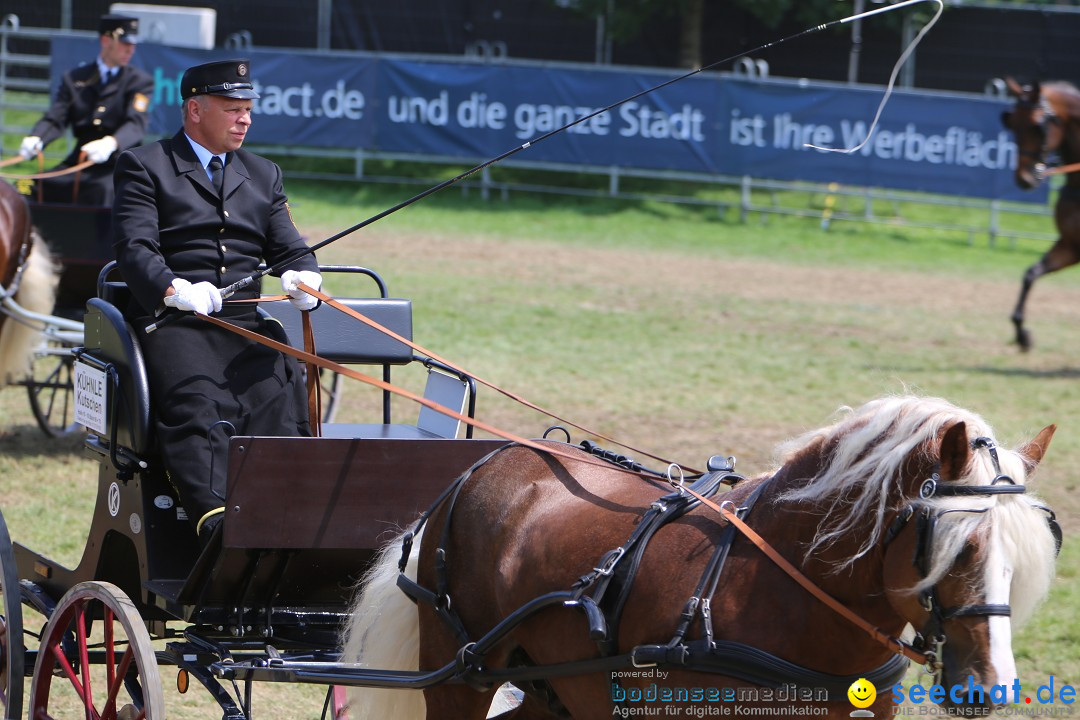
[
  {"x": 104, "y": 70},
  {"x": 203, "y": 154}
]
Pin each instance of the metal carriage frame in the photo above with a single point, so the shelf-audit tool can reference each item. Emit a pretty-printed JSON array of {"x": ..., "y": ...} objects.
[{"x": 304, "y": 516}]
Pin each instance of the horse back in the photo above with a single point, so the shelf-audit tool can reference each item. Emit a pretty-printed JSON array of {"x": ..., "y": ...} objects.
[{"x": 527, "y": 523}]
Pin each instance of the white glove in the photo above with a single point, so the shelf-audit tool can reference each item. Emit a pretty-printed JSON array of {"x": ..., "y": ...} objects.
[
  {"x": 31, "y": 146},
  {"x": 98, "y": 151},
  {"x": 300, "y": 299},
  {"x": 201, "y": 297}
]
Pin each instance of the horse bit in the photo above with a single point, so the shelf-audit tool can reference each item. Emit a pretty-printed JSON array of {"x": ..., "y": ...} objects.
[{"x": 931, "y": 641}]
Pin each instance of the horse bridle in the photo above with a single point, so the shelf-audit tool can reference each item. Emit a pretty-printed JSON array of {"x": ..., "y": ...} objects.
[
  {"x": 931, "y": 639},
  {"x": 1049, "y": 118}
]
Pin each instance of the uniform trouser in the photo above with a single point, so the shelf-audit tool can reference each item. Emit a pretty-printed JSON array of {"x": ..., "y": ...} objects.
[{"x": 200, "y": 375}]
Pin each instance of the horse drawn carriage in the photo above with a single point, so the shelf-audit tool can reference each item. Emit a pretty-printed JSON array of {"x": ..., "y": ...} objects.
[
  {"x": 594, "y": 584},
  {"x": 275, "y": 579},
  {"x": 578, "y": 575}
]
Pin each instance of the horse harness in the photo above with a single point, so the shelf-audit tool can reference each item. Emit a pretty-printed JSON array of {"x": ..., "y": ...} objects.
[
  {"x": 931, "y": 639},
  {"x": 1047, "y": 120},
  {"x": 602, "y": 593}
]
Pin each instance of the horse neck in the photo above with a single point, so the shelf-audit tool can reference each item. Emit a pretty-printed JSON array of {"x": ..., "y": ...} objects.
[
  {"x": 1069, "y": 150},
  {"x": 798, "y": 524},
  {"x": 859, "y": 585}
]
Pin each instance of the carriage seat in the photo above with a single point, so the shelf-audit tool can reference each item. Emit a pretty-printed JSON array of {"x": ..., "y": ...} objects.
[{"x": 345, "y": 340}]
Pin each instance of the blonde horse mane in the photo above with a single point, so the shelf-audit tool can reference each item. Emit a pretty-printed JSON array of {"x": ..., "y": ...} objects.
[
  {"x": 36, "y": 293},
  {"x": 869, "y": 447}
]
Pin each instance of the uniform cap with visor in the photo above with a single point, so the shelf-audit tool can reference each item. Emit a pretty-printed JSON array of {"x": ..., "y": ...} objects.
[
  {"x": 122, "y": 27},
  {"x": 224, "y": 78}
]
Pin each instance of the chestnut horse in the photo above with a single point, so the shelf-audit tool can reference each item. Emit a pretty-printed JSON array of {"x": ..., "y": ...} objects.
[
  {"x": 904, "y": 511},
  {"x": 1046, "y": 120},
  {"x": 27, "y": 270}
]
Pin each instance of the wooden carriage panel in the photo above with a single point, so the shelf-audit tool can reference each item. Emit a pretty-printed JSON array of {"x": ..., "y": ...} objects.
[{"x": 328, "y": 493}]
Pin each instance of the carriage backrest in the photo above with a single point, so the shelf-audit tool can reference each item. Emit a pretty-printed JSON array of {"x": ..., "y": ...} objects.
[
  {"x": 345, "y": 340},
  {"x": 109, "y": 342}
]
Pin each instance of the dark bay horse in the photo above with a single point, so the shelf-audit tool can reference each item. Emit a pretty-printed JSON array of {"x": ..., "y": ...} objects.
[
  {"x": 27, "y": 268},
  {"x": 1046, "y": 120},
  {"x": 904, "y": 511}
]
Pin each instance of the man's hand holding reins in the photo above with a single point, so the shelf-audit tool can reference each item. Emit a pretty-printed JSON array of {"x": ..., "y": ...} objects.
[
  {"x": 30, "y": 147},
  {"x": 98, "y": 151},
  {"x": 290, "y": 281},
  {"x": 201, "y": 297}
]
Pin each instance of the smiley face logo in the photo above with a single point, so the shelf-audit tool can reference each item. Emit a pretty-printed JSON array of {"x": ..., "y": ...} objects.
[{"x": 862, "y": 693}]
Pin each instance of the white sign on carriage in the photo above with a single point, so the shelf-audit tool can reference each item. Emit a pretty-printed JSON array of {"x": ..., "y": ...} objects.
[{"x": 90, "y": 396}]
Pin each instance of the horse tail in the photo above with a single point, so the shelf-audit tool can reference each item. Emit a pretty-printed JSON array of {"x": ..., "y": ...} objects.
[
  {"x": 37, "y": 293},
  {"x": 384, "y": 633}
]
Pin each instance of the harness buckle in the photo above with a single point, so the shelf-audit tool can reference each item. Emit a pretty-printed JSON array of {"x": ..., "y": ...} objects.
[
  {"x": 607, "y": 566},
  {"x": 935, "y": 666}
]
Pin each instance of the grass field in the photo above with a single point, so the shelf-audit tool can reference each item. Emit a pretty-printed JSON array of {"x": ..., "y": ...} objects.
[{"x": 678, "y": 330}]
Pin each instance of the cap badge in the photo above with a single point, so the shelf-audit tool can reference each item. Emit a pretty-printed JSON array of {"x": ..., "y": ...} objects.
[{"x": 241, "y": 69}]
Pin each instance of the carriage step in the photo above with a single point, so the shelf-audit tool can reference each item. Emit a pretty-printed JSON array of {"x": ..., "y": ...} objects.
[{"x": 164, "y": 590}]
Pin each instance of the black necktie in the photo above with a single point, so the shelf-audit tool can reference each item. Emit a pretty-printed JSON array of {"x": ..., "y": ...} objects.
[{"x": 217, "y": 173}]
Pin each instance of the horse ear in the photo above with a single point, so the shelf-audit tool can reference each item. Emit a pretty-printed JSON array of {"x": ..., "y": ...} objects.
[
  {"x": 955, "y": 452},
  {"x": 1014, "y": 87},
  {"x": 1034, "y": 450}
]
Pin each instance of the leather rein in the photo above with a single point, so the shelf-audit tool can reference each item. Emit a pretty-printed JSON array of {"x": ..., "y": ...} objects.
[{"x": 927, "y": 653}]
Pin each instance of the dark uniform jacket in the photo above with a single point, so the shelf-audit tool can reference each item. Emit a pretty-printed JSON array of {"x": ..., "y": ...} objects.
[
  {"x": 93, "y": 111},
  {"x": 169, "y": 223}
]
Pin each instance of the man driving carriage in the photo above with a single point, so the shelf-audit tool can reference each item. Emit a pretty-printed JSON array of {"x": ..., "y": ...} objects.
[
  {"x": 105, "y": 103},
  {"x": 194, "y": 213}
]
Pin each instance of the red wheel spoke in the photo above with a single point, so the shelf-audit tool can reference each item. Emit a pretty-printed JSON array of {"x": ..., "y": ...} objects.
[
  {"x": 117, "y": 681},
  {"x": 110, "y": 651},
  {"x": 69, "y": 672},
  {"x": 84, "y": 659},
  {"x": 109, "y": 710}
]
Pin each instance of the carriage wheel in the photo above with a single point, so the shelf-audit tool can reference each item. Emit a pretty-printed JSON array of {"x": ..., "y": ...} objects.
[
  {"x": 11, "y": 647},
  {"x": 96, "y": 660},
  {"x": 52, "y": 392}
]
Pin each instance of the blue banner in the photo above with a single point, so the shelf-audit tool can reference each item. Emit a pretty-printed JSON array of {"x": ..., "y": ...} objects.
[{"x": 714, "y": 124}]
